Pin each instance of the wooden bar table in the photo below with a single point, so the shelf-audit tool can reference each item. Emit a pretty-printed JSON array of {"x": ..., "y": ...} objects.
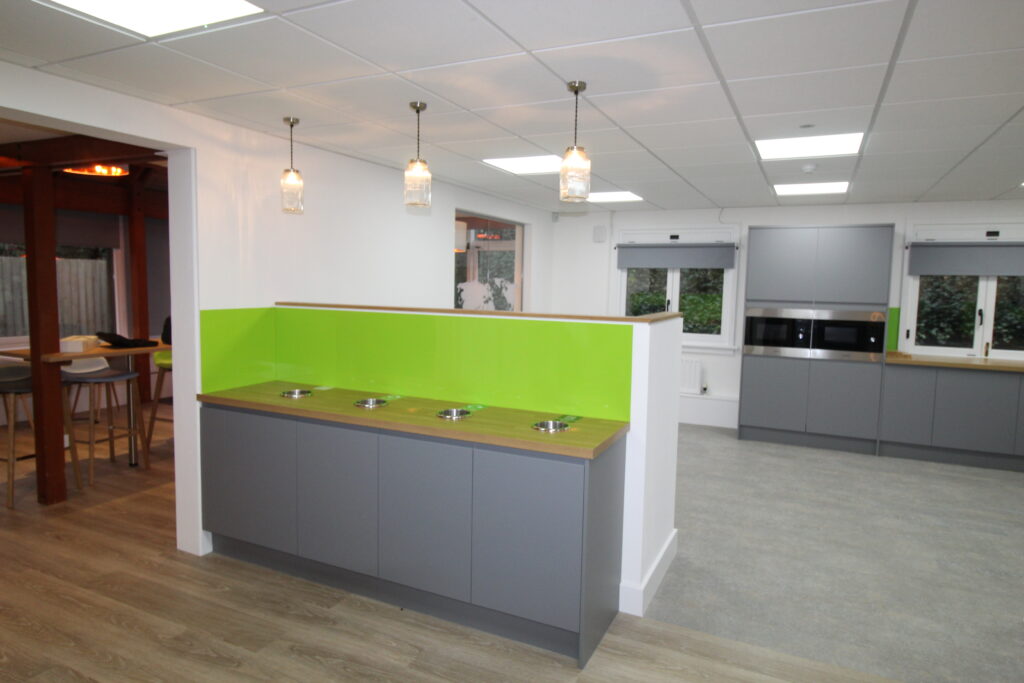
[{"x": 103, "y": 351}]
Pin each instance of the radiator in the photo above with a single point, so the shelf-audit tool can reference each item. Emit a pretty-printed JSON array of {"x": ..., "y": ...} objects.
[{"x": 690, "y": 377}]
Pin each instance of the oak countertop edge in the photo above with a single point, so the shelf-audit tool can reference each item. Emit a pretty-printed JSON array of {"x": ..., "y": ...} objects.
[{"x": 923, "y": 360}]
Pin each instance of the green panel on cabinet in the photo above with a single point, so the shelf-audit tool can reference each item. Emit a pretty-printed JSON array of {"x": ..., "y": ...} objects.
[
  {"x": 892, "y": 330},
  {"x": 237, "y": 347}
]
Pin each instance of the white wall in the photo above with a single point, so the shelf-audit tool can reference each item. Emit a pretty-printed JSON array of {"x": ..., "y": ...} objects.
[{"x": 584, "y": 269}]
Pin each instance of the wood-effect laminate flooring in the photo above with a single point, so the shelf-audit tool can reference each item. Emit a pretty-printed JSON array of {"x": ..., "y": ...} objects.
[{"x": 94, "y": 589}]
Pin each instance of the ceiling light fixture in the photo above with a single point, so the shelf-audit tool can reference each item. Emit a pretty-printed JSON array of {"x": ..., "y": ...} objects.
[
  {"x": 98, "y": 170},
  {"x": 417, "y": 174},
  {"x": 574, "y": 176},
  {"x": 810, "y": 146},
  {"x": 811, "y": 188},
  {"x": 291, "y": 179},
  {"x": 159, "y": 18},
  {"x": 546, "y": 163},
  {"x": 598, "y": 197}
]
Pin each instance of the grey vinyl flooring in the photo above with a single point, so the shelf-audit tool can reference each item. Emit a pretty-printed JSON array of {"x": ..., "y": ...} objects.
[{"x": 898, "y": 568}]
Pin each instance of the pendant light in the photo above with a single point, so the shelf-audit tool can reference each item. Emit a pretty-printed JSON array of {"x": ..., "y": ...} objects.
[
  {"x": 291, "y": 179},
  {"x": 417, "y": 174},
  {"x": 574, "y": 176}
]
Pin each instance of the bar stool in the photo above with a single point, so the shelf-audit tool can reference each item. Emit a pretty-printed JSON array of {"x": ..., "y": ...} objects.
[
  {"x": 106, "y": 378},
  {"x": 16, "y": 383},
  {"x": 163, "y": 362}
]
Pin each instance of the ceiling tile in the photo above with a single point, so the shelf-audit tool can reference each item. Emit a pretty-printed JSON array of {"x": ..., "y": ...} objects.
[
  {"x": 944, "y": 28},
  {"x": 890, "y": 167},
  {"x": 738, "y": 190},
  {"x": 273, "y": 51},
  {"x": 832, "y": 169},
  {"x": 668, "y": 105},
  {"x": 903, "y": 189},
  {"x": 594, "y": 141},
  {"x": 374, "y": 97},
  {"x": 611, "y": 161},
  {"x": 168, "y": 76},
  {"x": 722, "y": 172},
  {"x": 267, "y": 109},
  {"x": 993, "y": 73},
  {"x": 715, "y": 11},
  {"x": 545, "y": 117},
  {"x": 852, "y": 35},
  {"x": 537, "y": 24},
  {"x": 48, "y": 34},
  {"x": 804, "y": 92},
  {"x": 682, "y": 158},
  {"x": 690, "y": 134},
  {"x": 503, "y": 81},
  {"x": 407, "y": 35},
  {"x": 437, "y": 158},
  {"x": 672, "y": 194},
  {"x": 659, "y": 61},
  {"x": 624, "y": 174},
  {"x": 20, "y": 59},
  {"x": 820, "y": 122},
  {"x": 987, "y": 173},
  {"x": 450, "y": 127},
  {"x": 924, "y": 139},
  {"x": 494, "y": 148},
  {"x": 284, "y": 5},
  {"x": 813, "y": 200},
  {"x": 356, "y": 136},
  {"x": 967, "y": 111}
]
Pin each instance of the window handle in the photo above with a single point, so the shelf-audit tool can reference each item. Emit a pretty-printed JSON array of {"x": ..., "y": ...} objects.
[
  {"x": 668, "y": 304},
  {"x": 981, "y": 317},
  {"x": 986, "y": 349}
]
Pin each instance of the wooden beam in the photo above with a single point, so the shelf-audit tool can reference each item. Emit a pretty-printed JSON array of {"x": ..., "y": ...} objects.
[
  {"x": 77, "y": 194},
  {"x": 44, "y": 331},
  {"x": 139, "y": 269},
  {"x": 73, "y": 149}
]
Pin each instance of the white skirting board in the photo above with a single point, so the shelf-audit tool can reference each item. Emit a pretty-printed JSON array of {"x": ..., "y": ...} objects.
[
  {"x": 711, "y": 411},
  {"x": 635, "y": 598}
]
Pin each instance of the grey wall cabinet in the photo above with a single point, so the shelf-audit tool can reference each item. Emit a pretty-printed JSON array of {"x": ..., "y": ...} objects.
[
  {"x": 337, "y": 502},
  {"x": 248, "y": 470},
  {"x": 843, "y": 399},
  {"x": 976, "y": 410},
  {"x": 780, "y": 264},
  {"x": 853, "y": 264},
  {"x": 425, "y": 507},
  {"x": 773, "y": 393},
  {"x": 908, "y": 404},
  {"x": 528, "y": 536},
  {"x": 1019, "y": 450}
]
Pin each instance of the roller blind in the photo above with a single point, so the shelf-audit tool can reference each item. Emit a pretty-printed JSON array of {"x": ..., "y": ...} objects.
[
  {"x": 966, "y": 258},
  {"x": 713, "y": 255}
]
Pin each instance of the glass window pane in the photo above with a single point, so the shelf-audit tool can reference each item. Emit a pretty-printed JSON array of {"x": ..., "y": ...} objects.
[
  {"x": 1008, "y": 332},
  {"x": 645, "y": 290},
  {"x": 946, "y": 310},
  {"x": 700, "y": 299}
]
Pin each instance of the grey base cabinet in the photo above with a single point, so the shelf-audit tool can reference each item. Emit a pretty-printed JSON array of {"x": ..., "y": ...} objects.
[
  {"x": 526, "y": 544},
  {"x": 843, "y": 398},
  {"x": 773, "y": 392}
]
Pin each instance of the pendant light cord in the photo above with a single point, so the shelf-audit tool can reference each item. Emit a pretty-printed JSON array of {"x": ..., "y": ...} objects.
[
  {"x": 417, "y": 135},
  {"x": 291, "y": 146},
  {"x": 576, "y": 119}
]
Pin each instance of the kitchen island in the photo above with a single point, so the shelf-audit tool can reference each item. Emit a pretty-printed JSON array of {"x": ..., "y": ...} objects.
[{"x": 485, "y": 520}]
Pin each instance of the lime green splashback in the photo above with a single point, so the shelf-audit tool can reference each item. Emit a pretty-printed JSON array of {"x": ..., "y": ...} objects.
[
  {"x": 563, "y": 367},
  {"x": 236, "y": 347},
  {"x": 892, "y": 330}
]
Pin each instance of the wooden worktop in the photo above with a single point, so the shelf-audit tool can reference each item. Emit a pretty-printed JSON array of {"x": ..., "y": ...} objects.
[
  {"x": 585, "y": 438},
  {"x": 102, "y": 351},
  {"x": 649, "y": 318},
  {"x": 997, "y": 364}
]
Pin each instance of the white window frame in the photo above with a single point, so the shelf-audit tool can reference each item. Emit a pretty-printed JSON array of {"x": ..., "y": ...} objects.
[{"x": 722, "y": 342}]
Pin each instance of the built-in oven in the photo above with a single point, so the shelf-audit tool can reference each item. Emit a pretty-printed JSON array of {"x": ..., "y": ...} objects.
[
  {"x": 848, "y": 335},
  {"x": 778, "y": 332}
]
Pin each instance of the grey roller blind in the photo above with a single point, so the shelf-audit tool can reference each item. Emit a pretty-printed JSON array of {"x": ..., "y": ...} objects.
[
  {"x": 966, "y": 258},
  {"x": 715, "y": 255}
]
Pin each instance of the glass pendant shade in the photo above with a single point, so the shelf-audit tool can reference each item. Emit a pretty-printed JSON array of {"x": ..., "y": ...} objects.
[
  {"x": 291, "y": 191},
  {"x": 574, "y": 176},
  {"x": 417, "y": 183}
]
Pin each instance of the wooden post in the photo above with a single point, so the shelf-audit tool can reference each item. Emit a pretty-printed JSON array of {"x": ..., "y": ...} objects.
[
  {"x": 44, "y": 331},
  {"x": 139, "y": 270}
]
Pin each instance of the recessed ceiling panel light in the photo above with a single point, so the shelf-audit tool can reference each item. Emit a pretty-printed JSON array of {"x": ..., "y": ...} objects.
[
  {"x": 811, "y": 188},
  {"x": 810, "y": 146},
  {"x": 157, "y": 17},
  {"x": 614, "y": 197},
  {"x": 548, "y": 163}
]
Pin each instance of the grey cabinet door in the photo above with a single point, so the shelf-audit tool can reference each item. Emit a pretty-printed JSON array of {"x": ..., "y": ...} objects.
[
  {"x": 853, "y": 265},
  {"x": 773, "y": 393},
  {"x": 337, "y": 496},
  {"x": 780, "y": 264},
  {"x": 1019, "y": 450},
  {"x": 528, "y": 536},
  {"x": 976, "y": 410},
  {"x": 425, "y": 508},
  {"x": 908, "y": 404},
  {"x": 843, "y": 399},
  {"x": 248, "y": 469}
]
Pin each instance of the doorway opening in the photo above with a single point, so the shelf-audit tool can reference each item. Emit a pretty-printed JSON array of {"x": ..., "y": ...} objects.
[{"x": 488, "y": 263}]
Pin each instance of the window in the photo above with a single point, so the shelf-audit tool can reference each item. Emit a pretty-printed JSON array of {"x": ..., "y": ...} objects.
[
  {"x": 695, "y": 279},
  {"x": 971, "y": 312},
  {"x": 84, "y": 290},
  {"x": 488, "y": 264}
]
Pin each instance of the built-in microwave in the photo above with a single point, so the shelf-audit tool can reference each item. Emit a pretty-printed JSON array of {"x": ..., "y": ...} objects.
[{"x": 815, "y": 333}]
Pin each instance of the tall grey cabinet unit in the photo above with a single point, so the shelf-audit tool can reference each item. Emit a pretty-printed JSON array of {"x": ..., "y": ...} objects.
[{"x": 780, "y": 264}]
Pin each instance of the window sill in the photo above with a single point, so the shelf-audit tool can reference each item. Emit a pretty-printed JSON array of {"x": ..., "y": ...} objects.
[{"x": 709, "y": 348}]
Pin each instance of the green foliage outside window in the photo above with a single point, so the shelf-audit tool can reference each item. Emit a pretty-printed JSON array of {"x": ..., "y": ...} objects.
[
  {"x": 700, "y": 299},
  {"x": 946, "y": 307},
  {"x": 645, "y": 290},
  {"x": 1009, "y": 316}
]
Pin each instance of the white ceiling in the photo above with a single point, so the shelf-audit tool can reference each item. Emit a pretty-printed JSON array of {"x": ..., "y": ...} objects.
[{"x": 677, "y": 89}]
